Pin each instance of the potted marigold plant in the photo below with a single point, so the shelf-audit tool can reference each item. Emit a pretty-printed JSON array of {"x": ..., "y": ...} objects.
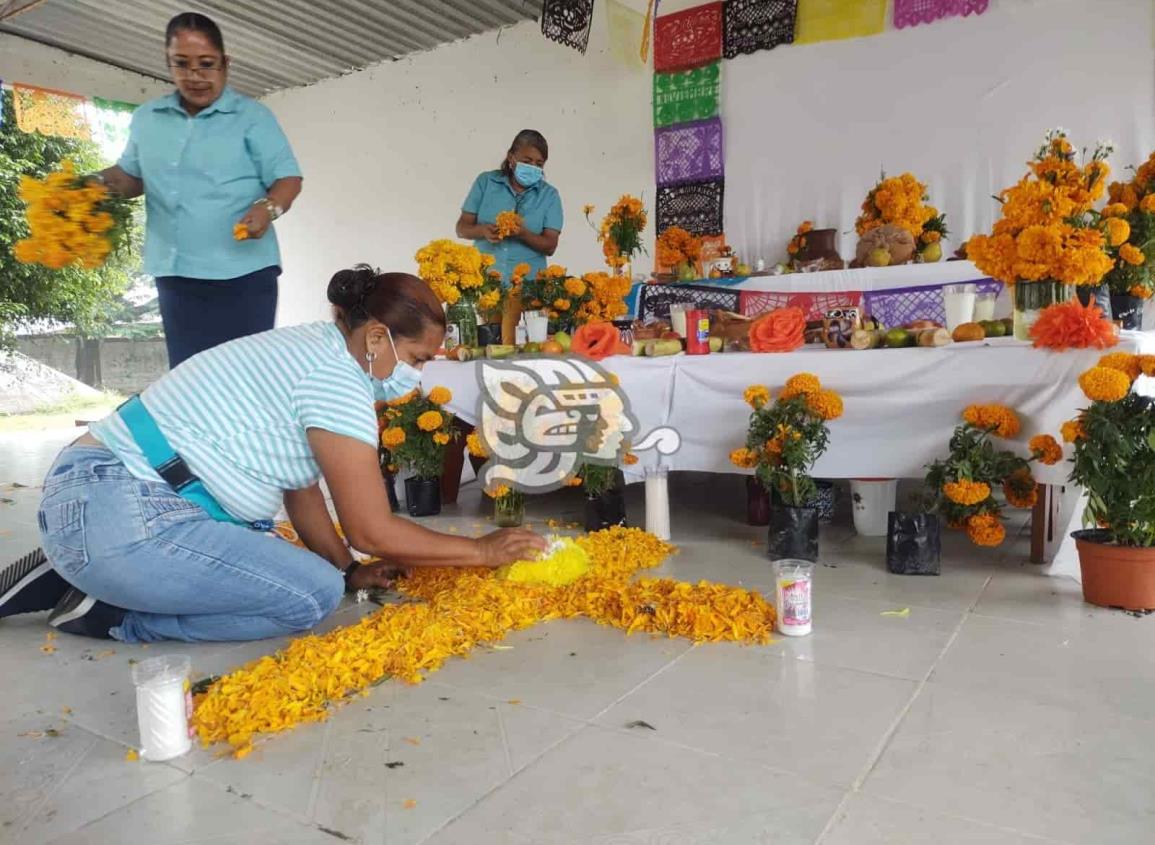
[
  {"x": 1132, "y": 280},
  {"x": 620, "y": 233},
  {"x": 416, "y": 432},
  {"x": 561, "y": 296},
  {"x": 784, "y": 439},
  {"x": 1049, "y": 239},
  {"x": 461, "y": 276},
  {"x": 385, "y": 460},
  {"x": 679, "y": 253},
  {"x": 962, "y": 486},
  {"x": 508, "y": 502},
  {"x": 1114, "y": 463}
]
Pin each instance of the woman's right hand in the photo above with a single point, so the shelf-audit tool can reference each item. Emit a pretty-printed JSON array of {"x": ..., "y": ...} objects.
[
  {"x": 509, "y": 544},
  {"x": 490, "y": 232}
]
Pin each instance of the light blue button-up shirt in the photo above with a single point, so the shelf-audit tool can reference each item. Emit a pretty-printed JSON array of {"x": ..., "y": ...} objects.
[
  {"x": 539, "y": 207},
  {"x": 201, "y": 174}
]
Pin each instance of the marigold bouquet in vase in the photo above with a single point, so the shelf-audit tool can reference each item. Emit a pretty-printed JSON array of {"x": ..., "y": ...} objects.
[
  {"x": 559, "y": 294},
  {"x": 72, "y": 220},
  {"x": 1048, "y": 239},
  {"x": 962, "y": 486},
  {"x": 607, "y": 301},
  {"x": 462, "y": 277},
  {"x": 1132, "y": 280},
  {"x": 1114, "y": 464},
  {"x": 785, "y": 437},
  {"x": 679, "y": 252},
  {"x": 620, "y": 232},
  {"x": 416, "y": 429}
]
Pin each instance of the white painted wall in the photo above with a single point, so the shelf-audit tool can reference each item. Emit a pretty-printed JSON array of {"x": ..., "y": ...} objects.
[
  {"x": 390, "y": 152},
  {"x": 26, "y": 61}
]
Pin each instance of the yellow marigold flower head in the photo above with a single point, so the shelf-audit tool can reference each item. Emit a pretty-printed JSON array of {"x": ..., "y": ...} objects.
[
  {"x": 986, "y": 530},
  {"x": 1124, "y": 362},
  {"x": 1115, "y": 209},
  {"x": 430, "y": 421},
  {"x": 1103, "y": 384},
  {"x": 1118, "y": 230},
  {"x": 561, "y": 304},
  {"x": 756, "y": 395},
  {"x": 965, "y": 492},
  {"x": 826, "y": 404},
  {"x": 744, "y": 458},
  {"x": 475, "y": 446},
  {"x": 392, "y": 437},
  {"x": 575, "y": 286},
  {"x": 1045, "y": 449},
  {"x": 1072, "y": 431},
  {"x": 441, "y": 438},
  {"x": 1002, "y": 420},
  {"x": 1147, "y": 362},
  {"x": 555, "y": 271},
  {"x": 402, "y": 400},
  {"x": 498, "y": 491},
  {"x": 440, "y": 395},
  {"x": 1132, "y": 255},
  {"x": 802, "y": 384}
]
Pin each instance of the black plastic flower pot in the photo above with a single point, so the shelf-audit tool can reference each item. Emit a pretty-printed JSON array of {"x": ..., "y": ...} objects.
[
  {"x": 605, "y": 510},
  {"x": 793, "y": 533},
  {"x": 1128, "y": 311},
  {"x": 391, "y": 492},
  {"x": 824, "y": 502},
  {"x": 423, "y": 496},
  {"x": 757, "y": 502},
  {"x": 913, "y": 544}
]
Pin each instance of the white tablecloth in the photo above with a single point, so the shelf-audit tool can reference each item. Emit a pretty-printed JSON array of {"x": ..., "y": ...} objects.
[
  {"x": 901, "y": 404},
  {"x": 868, "y": 278}
]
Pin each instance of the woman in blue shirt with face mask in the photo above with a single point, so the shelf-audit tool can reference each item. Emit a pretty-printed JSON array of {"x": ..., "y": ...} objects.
[
  {"x": 518, "y": 185},
  {"x": 148, "y": 521}
]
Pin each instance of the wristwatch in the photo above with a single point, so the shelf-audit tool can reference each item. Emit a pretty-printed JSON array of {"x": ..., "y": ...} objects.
[
  {"x": 348, "y": 573},
  {"x": 274, "y": 210}
]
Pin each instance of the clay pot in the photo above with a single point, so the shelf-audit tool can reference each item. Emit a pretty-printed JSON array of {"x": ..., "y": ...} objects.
[{"x": 1115, "y": 576}]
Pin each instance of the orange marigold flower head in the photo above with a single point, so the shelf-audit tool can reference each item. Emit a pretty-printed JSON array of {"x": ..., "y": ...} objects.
[
  {"x": 1118, "y": 230},
  {"x": 1147, "y": 204},
  {"x": 1073, "y": 431},
  {"x": 392, "y": 437},
  {"x": 1103, "y": 384},
  {"x": 402, "y": 400},
  {"x": 441, "y": 438},
  {"x": 1020, "y": 497},
  {"x": 996, "y": 418},
  {"x": 801, "y": 384},
  {"x": 475, "y": 446},
  {"x": 826, "y": 404},
  {"x": 1147, "y": 365},
  {"x": 1124, "y": 362},
  {"x": 1132, "y": 254},
  {"x": 986, "y": 530},
  {"x": 744, "y": 458},
  {"x": 1045, "y": 449},
  {"x": 440, "y": 395},
  {"x": 430, "y": 421},
  {"x": 756, "y": 395},
  {"x": 966, "y": 492},
  {"x": 629, "y": 459}
]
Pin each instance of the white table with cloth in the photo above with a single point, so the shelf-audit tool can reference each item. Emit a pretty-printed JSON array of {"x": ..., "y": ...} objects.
[{"x": 901, "y": 405}]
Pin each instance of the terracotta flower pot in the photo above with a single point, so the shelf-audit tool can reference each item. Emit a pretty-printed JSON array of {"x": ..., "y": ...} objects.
[{"x": 1115, "y": 576}]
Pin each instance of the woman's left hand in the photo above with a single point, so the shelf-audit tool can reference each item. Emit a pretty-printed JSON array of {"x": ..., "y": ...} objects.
[
  {"x": 256, "y": 220},
  {"x": 375, "y": 576}
]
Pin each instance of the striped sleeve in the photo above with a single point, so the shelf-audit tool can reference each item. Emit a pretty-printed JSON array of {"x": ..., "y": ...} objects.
[{"x": 333, "y": 397}]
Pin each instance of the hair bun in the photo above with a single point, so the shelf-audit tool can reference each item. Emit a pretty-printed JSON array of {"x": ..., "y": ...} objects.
[{"x": 349, "y": 288}]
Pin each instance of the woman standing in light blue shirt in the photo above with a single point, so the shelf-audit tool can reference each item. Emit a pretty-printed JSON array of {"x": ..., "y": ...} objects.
[
  {"x": 147, "y": 521},
  {"x": 518, "y": 185},
  {"x": 216, "y": 171}
]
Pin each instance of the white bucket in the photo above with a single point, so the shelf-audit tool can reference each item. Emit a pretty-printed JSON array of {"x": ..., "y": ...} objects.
[{"x": 872, "y": 500}]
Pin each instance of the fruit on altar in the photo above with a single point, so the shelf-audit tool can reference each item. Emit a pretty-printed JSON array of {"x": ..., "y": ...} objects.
[
  {"x": 934, "y": 337},
  {"x": 686, "y": 272},
  {"x": 743, "y": 270},
  {"x": 994, "y": 328},
  {"x": 659, "y": 348},
  {"x": 969, "y": 332},
  {"x": 500, "y": 350},
  {"x": 865, "y": 339},
  {"x": 879, "y": 257},
  {"x": 563, "y": 340},
  {"x": 921, "y": 325},
  {"x": 715, "y": 273},
  {"x": 898, "y": 338},
  {"x": 669, "y": 334},
  {"x": 932, "y": 252},
  {"x": 715, "y": 344},
  {"x": 531, "y": 348},
  {"x": 898, "y": 242},
  {"x": 552, "y": 347},
  {"x": 638, "y": 347}
]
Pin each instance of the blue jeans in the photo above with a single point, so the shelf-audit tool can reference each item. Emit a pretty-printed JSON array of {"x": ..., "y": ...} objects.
[
  {"x": 199, "y": 314},
  {"x": 180, "y": 574}
]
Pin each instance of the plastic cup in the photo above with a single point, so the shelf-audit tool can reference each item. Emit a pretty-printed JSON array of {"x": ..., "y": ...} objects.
[
  {"x": 658, "y": 502},
  {"x": 985, "y": 306},
  {"x": 959, "y": 303},
  {"x": 536, "y": 326},
  {"x": 163, "y": 706}
]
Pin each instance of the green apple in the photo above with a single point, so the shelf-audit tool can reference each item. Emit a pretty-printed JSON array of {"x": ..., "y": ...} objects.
[
  {"x": 878, "y": 258},
  {"x": 715, "y": 344},
  {"x": 564, "y": 340}
]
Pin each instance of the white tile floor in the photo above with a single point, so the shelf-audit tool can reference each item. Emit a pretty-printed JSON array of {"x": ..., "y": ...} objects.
[{"x": 1001, "y": 710}]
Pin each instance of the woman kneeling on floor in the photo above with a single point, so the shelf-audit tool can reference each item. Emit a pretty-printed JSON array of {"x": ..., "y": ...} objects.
[{"x": 156, "y": 522}]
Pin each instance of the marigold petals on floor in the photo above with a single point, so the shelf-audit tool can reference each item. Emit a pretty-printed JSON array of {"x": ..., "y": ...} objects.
[{"x": 459, "y": 609}]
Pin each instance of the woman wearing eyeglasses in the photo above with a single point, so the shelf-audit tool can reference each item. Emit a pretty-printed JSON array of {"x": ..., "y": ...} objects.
[{"x": 216, "y": 171}]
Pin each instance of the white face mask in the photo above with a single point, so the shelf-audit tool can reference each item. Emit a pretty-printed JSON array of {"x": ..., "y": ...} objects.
[{"x": 404, "y": 379}]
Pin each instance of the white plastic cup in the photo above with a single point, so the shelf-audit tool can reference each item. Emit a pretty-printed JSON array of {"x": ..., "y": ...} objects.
[
  {"x": 959, "y": 303},
  {"x": 871, "y": 500},
  {"x": 985, "y": 306},
  {"x": 536, "y": 326},
  {"x": 793, "y": 580},
  {"x": 678, "y": 319},
  {"x": 163, "y": 706},
  {"x": 658, "y": 502}
]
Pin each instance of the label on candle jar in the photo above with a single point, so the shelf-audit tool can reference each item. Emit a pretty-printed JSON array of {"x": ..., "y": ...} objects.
[{"x": 795, "y": 602}]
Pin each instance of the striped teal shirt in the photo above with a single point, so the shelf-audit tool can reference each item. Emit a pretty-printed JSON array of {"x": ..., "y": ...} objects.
[{"x": 238, "y": 415}]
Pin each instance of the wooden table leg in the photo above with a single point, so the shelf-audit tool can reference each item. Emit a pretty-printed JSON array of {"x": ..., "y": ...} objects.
[{"x": 1044, "y": 519}]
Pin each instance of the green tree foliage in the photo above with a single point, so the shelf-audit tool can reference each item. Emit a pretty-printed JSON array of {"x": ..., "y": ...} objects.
[{"x": 88, "y": 299}]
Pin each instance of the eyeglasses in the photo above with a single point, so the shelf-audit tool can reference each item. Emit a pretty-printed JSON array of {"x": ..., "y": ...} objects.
[{"x": 184, "y": 68}]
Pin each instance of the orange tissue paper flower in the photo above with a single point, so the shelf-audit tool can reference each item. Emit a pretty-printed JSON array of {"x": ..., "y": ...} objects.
[
  {"x": 1072, "y": 325},
  {"x": 782, "y": 330}
]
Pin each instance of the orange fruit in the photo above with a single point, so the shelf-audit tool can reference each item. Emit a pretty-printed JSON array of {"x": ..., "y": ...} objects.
[{"x": 551, "y": 347}]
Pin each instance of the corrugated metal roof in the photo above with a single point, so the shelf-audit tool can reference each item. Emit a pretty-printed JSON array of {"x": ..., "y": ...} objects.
[{"x": 273, "y": 43}]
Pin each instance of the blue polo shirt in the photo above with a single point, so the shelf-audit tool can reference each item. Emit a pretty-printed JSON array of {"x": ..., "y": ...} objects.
[
  {"x": 539, "y": 207},
  {"x": 201, "y": 174}
]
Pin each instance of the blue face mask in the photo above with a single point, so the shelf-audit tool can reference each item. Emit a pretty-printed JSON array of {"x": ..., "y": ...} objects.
[
  {"x": 527, "y": 175},
  {"x": 404, "y": 379}
]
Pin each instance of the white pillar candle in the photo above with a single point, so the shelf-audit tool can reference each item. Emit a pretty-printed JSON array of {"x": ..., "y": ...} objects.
[
  {"x": 163, "y": 707},
  {"x": 658, "y": 503}
]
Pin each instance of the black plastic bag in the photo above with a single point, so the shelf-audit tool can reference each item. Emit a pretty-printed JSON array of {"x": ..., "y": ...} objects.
[
  {"x": 913, "y": 544},
  {"x": 489, "y": 334},
  {"x": 605, "y": 510},
  {"x": 1128, "y": 311},
  {"x": 423, "y": 496},
  {"x": 793, "y": 533},
  {"x": 1100, "y": 295}
]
